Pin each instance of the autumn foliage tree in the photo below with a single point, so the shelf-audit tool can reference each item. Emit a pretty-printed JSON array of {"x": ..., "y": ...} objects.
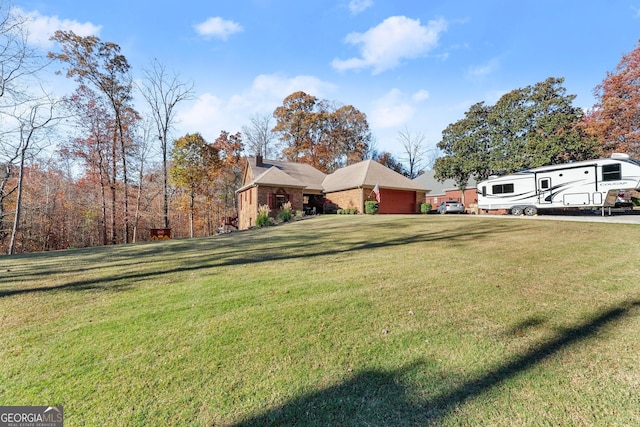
[
  {"x": 615, "y": 119},
  {"x": 195, "y": 164},
  {"x": 386, "y": 158},
  {"x": 229, "y": 175},
  {"x": 320, "y": 133},
  {"x": 101, "y": 65},
  {"x": 93, "y": 148}
]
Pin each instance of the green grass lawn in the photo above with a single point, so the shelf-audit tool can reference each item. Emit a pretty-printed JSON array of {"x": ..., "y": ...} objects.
[{"x": 336, "y": 320}]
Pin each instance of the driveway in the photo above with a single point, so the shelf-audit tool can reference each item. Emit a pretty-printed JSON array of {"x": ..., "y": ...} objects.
[{"x": 618, "y": 216}]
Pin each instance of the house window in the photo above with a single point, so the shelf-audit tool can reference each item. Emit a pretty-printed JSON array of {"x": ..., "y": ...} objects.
[
  {"x": 281, "y": 199},
  {"x": 502, "y": 188},
  {"x": 611, "y": 172},
  {"x": 278, "y": 199}
]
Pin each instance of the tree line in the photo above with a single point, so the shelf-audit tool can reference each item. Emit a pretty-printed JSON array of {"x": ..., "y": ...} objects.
[{"x": 92, "y": 169}]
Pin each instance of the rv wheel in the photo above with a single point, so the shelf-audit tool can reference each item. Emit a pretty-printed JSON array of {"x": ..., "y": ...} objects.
[
  {"x": 516, "y": 210},
  {"x": 530, "y": 211}
]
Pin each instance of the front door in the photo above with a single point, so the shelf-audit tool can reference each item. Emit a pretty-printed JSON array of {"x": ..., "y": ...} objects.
[{"x": 544, "y": 190}]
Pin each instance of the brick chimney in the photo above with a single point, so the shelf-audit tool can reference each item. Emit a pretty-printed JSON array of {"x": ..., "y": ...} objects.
[{"x": 259, "y": 163}]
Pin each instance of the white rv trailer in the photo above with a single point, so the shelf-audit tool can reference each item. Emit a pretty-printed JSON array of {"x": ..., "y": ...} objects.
[{"x": 591, "y": 183}]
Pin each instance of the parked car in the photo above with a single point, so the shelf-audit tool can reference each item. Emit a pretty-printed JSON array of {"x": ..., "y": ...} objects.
[
  {"x": 450, "y": 206},
  {"x": 624, "y": 200}
]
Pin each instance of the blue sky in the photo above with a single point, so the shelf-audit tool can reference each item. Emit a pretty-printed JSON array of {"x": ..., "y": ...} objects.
[{"x": 408, "y": 65}]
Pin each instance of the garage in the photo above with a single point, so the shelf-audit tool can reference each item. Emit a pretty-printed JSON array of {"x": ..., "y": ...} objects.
[
  {"x": 397, "y": 201},
  {"x": 354, "y": 185}
]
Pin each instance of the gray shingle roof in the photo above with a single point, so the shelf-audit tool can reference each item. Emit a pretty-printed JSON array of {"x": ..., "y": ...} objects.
[
  {"x": 274, "y": 176},
  {"x": 286, "y": 174},
  {"x": 368, "y": 173},
  {"x": 289, "y": 174},
  {"x": 428, "y": 180}
]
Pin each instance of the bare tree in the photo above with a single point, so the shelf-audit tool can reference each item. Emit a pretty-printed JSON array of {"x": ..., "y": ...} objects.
[
  {"x": 19, "y": 64},
  {"x": 143, "y": 150},
  {"x": 163, "y": 91},
  {"x": 32, "y": 122},
  {"x": 259, "y": 137},
  {"x": 8, "y": 184},
  {"x": 414, "y": 151},
  {"x": 18, "y": 61}
]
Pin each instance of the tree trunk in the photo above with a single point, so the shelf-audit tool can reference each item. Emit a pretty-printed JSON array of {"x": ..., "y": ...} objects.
[
  {"x": 4, "y": 193},
  {"x": 114, "y": 171},
  {"x": 191, "y": 213},
  {"x": 126, "y": 190},
  {"x": 165, "y": 184},
  {"x": 103, "y": 196},
  {"x": 138, "y": 198},
  {"x": 16, "y": 218}
]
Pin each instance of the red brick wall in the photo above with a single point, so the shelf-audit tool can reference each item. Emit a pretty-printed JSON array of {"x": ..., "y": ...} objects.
[
  {"x": 247, "y": 208},
  {"x": 252, "y": 198},
  {"x": 348, "y": 199},
  {"x": 396, "y": 200}
]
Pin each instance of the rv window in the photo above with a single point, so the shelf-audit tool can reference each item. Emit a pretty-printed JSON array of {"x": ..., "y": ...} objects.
[
  {"x": 502, "y": 188},
  {"x": 611, "y": 172},
  {"x": 544, "y": 184},
  {"x": 484, "y": 191}
]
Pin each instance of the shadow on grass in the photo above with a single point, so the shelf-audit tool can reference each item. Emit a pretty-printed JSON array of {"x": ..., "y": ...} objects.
[
  {"x": 386, "y": 399},
  {"x": 188, "y": 256}
]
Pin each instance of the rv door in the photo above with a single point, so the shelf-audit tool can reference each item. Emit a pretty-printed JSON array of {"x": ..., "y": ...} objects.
[{"x": 544, "y": 190}]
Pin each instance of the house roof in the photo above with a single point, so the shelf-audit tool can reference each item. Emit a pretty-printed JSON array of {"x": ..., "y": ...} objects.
[
  {"x": 276, "y": 177},
  {"x": 436, "y": 187},
  {"x": 368, "y": 173},
  {"x": 282, "y": 173}
]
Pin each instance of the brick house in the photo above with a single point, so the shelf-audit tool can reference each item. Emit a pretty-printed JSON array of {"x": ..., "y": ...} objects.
[
  {"x": 274, "y": 182},
  {"x": 352, "y": 186},
  {"x": 439, "y": 191}
]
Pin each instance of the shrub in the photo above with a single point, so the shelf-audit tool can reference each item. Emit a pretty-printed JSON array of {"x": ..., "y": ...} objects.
[
  {"x": 348, "y": 211},
  {"x": 286, "y": 213},
  {"x": 370, "y": 207},
  {"x": 425, "y": 207},
  {"x": 263, "y": 216}
]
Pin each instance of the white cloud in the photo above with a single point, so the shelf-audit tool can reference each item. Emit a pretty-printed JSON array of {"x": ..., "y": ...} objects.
[
  {"x": 269, "y": 90},
  {"x": 420, "y": 96},
  {"x": 359, "y": 6},
  {"x": 205, "y": 116},
  {"x": 392, "y": 110},
  {"x": 384, "y": 47},
  {"x": 41, "y": 27},
  {"x": 217, "y": 27},
  {"x": 210, "y": 113},
  {"x": 484, "y": 69}
]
